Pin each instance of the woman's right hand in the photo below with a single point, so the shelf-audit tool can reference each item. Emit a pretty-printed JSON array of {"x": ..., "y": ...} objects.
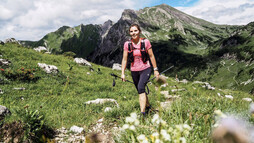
[{"x": 123, "y": 77}]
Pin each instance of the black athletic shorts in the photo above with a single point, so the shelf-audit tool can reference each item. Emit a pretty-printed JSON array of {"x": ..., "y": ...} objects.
[{"x": 140, "y": 78}]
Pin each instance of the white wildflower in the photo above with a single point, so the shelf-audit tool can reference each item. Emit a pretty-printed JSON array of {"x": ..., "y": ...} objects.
[
  {"x": 170, "y": 129},
  {"x": 134, "y": 115},
  {"x": 156, "y": 134},
  {"x": 136, "y": 122},
  {"x": 186, "y": 126},
  {"x": 164, "y": 123},
  {"x": 126, "y": 126},
  {"x": 220, "y": 114},
  {"x": 141, "y": 137},
  {"x": 129, "y": 120},
  {"x": 132, "y": 127},
  {"x": 165, "y": 135},
  {"x": 186, "y": 132},
  {"x": 183, "y": 140},
  {"x": 155, "y": 118},
  {"x": 158, "y": 141},
  {"x": 145, "y": 141},
  {"x": 179, "y": 127}
]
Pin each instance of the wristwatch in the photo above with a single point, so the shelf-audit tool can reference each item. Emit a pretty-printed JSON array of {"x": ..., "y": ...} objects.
[{"x": 155, "y": 69}]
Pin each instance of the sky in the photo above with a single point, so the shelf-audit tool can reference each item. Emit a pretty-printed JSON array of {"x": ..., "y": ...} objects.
[{"x": 33, "y": 19}]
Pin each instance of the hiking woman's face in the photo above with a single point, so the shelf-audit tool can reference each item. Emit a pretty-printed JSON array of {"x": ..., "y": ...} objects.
[{"x": 134, "y": 32}]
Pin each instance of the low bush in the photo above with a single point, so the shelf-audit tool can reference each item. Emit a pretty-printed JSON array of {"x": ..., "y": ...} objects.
[{"x": 22, "y": 74}]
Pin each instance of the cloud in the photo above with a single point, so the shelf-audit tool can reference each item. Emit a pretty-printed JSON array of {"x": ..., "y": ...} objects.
[
  {"x": 32, "y": 19},
  {"x": 231, "y": 12},
  {"x": 5, "y": 13}
]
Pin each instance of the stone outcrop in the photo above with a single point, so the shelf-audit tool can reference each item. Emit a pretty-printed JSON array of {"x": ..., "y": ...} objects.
[
  {"x": 12, "y": 40},
  {"x": 204, "y": 85},
  {"x": 117, "y": 66},
  {"x": 5, "y": 63},
  {"x": 76, "y": 129},
  {"x": 48, "y": 68},
  {"x": 19, "y": 88},
  {"x": 64, "y": 135},
  {"x": 102, "y": 101},
  {"x": 82, "y": 61},
  {"x": 4, "y": 111},
  {"x": 247, "y": 99},
  {"x": 1, "y": 91},
  {"x": 229, "y": 97},
  {"x": 40, "y": 48}
]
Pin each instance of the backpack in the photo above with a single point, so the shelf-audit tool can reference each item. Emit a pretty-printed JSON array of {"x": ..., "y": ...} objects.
[{"x": 143, "y": 51}]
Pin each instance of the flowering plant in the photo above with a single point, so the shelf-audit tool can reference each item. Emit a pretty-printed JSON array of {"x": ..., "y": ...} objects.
[{"x": 159, "y": 130}]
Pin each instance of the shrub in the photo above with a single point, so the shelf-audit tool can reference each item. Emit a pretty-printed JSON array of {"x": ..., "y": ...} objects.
[
  {"x": 69, "y": 54},
  {"x": 21, "y": 74}
]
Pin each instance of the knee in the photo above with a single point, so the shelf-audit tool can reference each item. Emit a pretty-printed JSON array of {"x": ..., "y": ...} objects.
[{"x": 141, "y": 89}]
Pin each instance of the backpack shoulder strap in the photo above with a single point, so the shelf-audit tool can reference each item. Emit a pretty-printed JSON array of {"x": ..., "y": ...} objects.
[
  {"x": 130, "y": 48},
  {"x": 143, "y": 46}
]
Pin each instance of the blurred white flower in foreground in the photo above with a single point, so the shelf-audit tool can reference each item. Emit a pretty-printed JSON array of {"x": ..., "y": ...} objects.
[
  {"x": 231, "y": 129},
  {"x": 157, "y": 120},
  {"x": 142, "y": 138}
]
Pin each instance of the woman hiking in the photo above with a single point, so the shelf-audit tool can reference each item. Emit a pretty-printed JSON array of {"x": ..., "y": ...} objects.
[{"x": 137, "y": 50}]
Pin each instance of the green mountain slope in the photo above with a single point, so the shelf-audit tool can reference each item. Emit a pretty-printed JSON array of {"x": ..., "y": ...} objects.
[
  {"x": 60, "y": 99},
  {"x": 188, "y": 33},
  {"x": 193, "y": 45},
  {"x": 82, "y": 40},
  {"x": 231, "y": 61}
]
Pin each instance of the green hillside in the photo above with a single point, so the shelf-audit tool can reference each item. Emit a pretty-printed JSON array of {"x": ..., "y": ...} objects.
[
  {"x": 82, "y": 40},
  {"x": 187, "y": 33},
  {"x": 231, "y": 61},
  {"x": 60, "y": 99}
]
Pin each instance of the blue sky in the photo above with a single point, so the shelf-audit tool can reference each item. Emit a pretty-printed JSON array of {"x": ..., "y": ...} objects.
[
  {"x": 174, "y": 3},
  {"x": 33, "y": 19}
]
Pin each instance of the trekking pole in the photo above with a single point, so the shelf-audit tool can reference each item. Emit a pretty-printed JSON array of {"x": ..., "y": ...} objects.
[
  {"x": 160, "y": 73},
  {"x": 116, "y": 76},
  {"x": 147, "y": 89}
]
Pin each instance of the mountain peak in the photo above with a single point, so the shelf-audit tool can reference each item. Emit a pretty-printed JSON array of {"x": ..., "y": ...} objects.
[
  {"x": 163, "y": 5},
  {"x": 105, "y": 27},
  {"x": 128, "y": 14}
]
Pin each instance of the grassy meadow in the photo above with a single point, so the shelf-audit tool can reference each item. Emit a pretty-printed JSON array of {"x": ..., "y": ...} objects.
[{"x": 61, "y": 97}]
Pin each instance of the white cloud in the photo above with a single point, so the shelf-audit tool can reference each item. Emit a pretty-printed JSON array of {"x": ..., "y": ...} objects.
[
  {"x": 5, "y": 13},
  {"x": 32, "y": 19},
  {"x": 232, "y": 12}
]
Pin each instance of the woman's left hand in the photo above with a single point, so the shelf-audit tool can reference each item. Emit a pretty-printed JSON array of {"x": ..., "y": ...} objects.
[{"x": 156, "y": 74}]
